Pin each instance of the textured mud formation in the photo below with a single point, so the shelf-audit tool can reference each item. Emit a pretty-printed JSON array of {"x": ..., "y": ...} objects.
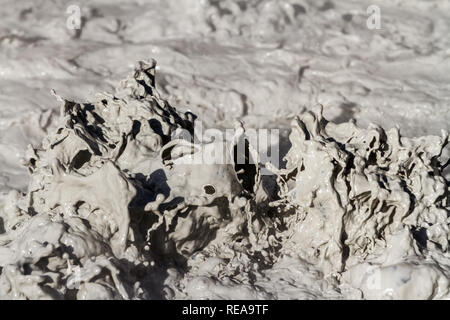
[
  {"x": 371, "y": 207},
  {"x": 114, "y": 211}
]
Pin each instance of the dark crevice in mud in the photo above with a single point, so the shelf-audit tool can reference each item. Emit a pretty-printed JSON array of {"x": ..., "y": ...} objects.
[
  {"x": 372, "y": 159},
  {"x": 420, "y": 236},
  {"x": 148, "y": 89},
  {"x": 349, "y": 166},
  {"x": 338, "y": 169},
  {"x": 345, "y": 248},
  {"x": 123, "y": 145},
  {"x": 284, "y": 145},
  {"x": 292, "y": 175},
  {"x": 209, "y": 189},
  {"x": 245, "y": 166},
  {"x": 412, "y": 198},
  {"x": 244, "y": 100},
  {"x": 27, "y": 269},
  {"x": 136, "y": 128},
  {"x": 347, "y": 112},
  {"x": 2, "y": 227},
  {"x": 171, "y": 204},
  {"x": 158, "y": 182},
  {"x": 43, "y": 263},
  {"x": 157, "y": 128},
  {"x": 305, "y": 131}
]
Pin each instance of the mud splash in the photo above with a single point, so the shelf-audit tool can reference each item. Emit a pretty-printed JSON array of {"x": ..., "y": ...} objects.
[{"x": 113, "y": 212}]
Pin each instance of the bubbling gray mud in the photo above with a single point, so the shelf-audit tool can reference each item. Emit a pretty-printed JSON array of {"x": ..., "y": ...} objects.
[{"x": 113, "y": 212}]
